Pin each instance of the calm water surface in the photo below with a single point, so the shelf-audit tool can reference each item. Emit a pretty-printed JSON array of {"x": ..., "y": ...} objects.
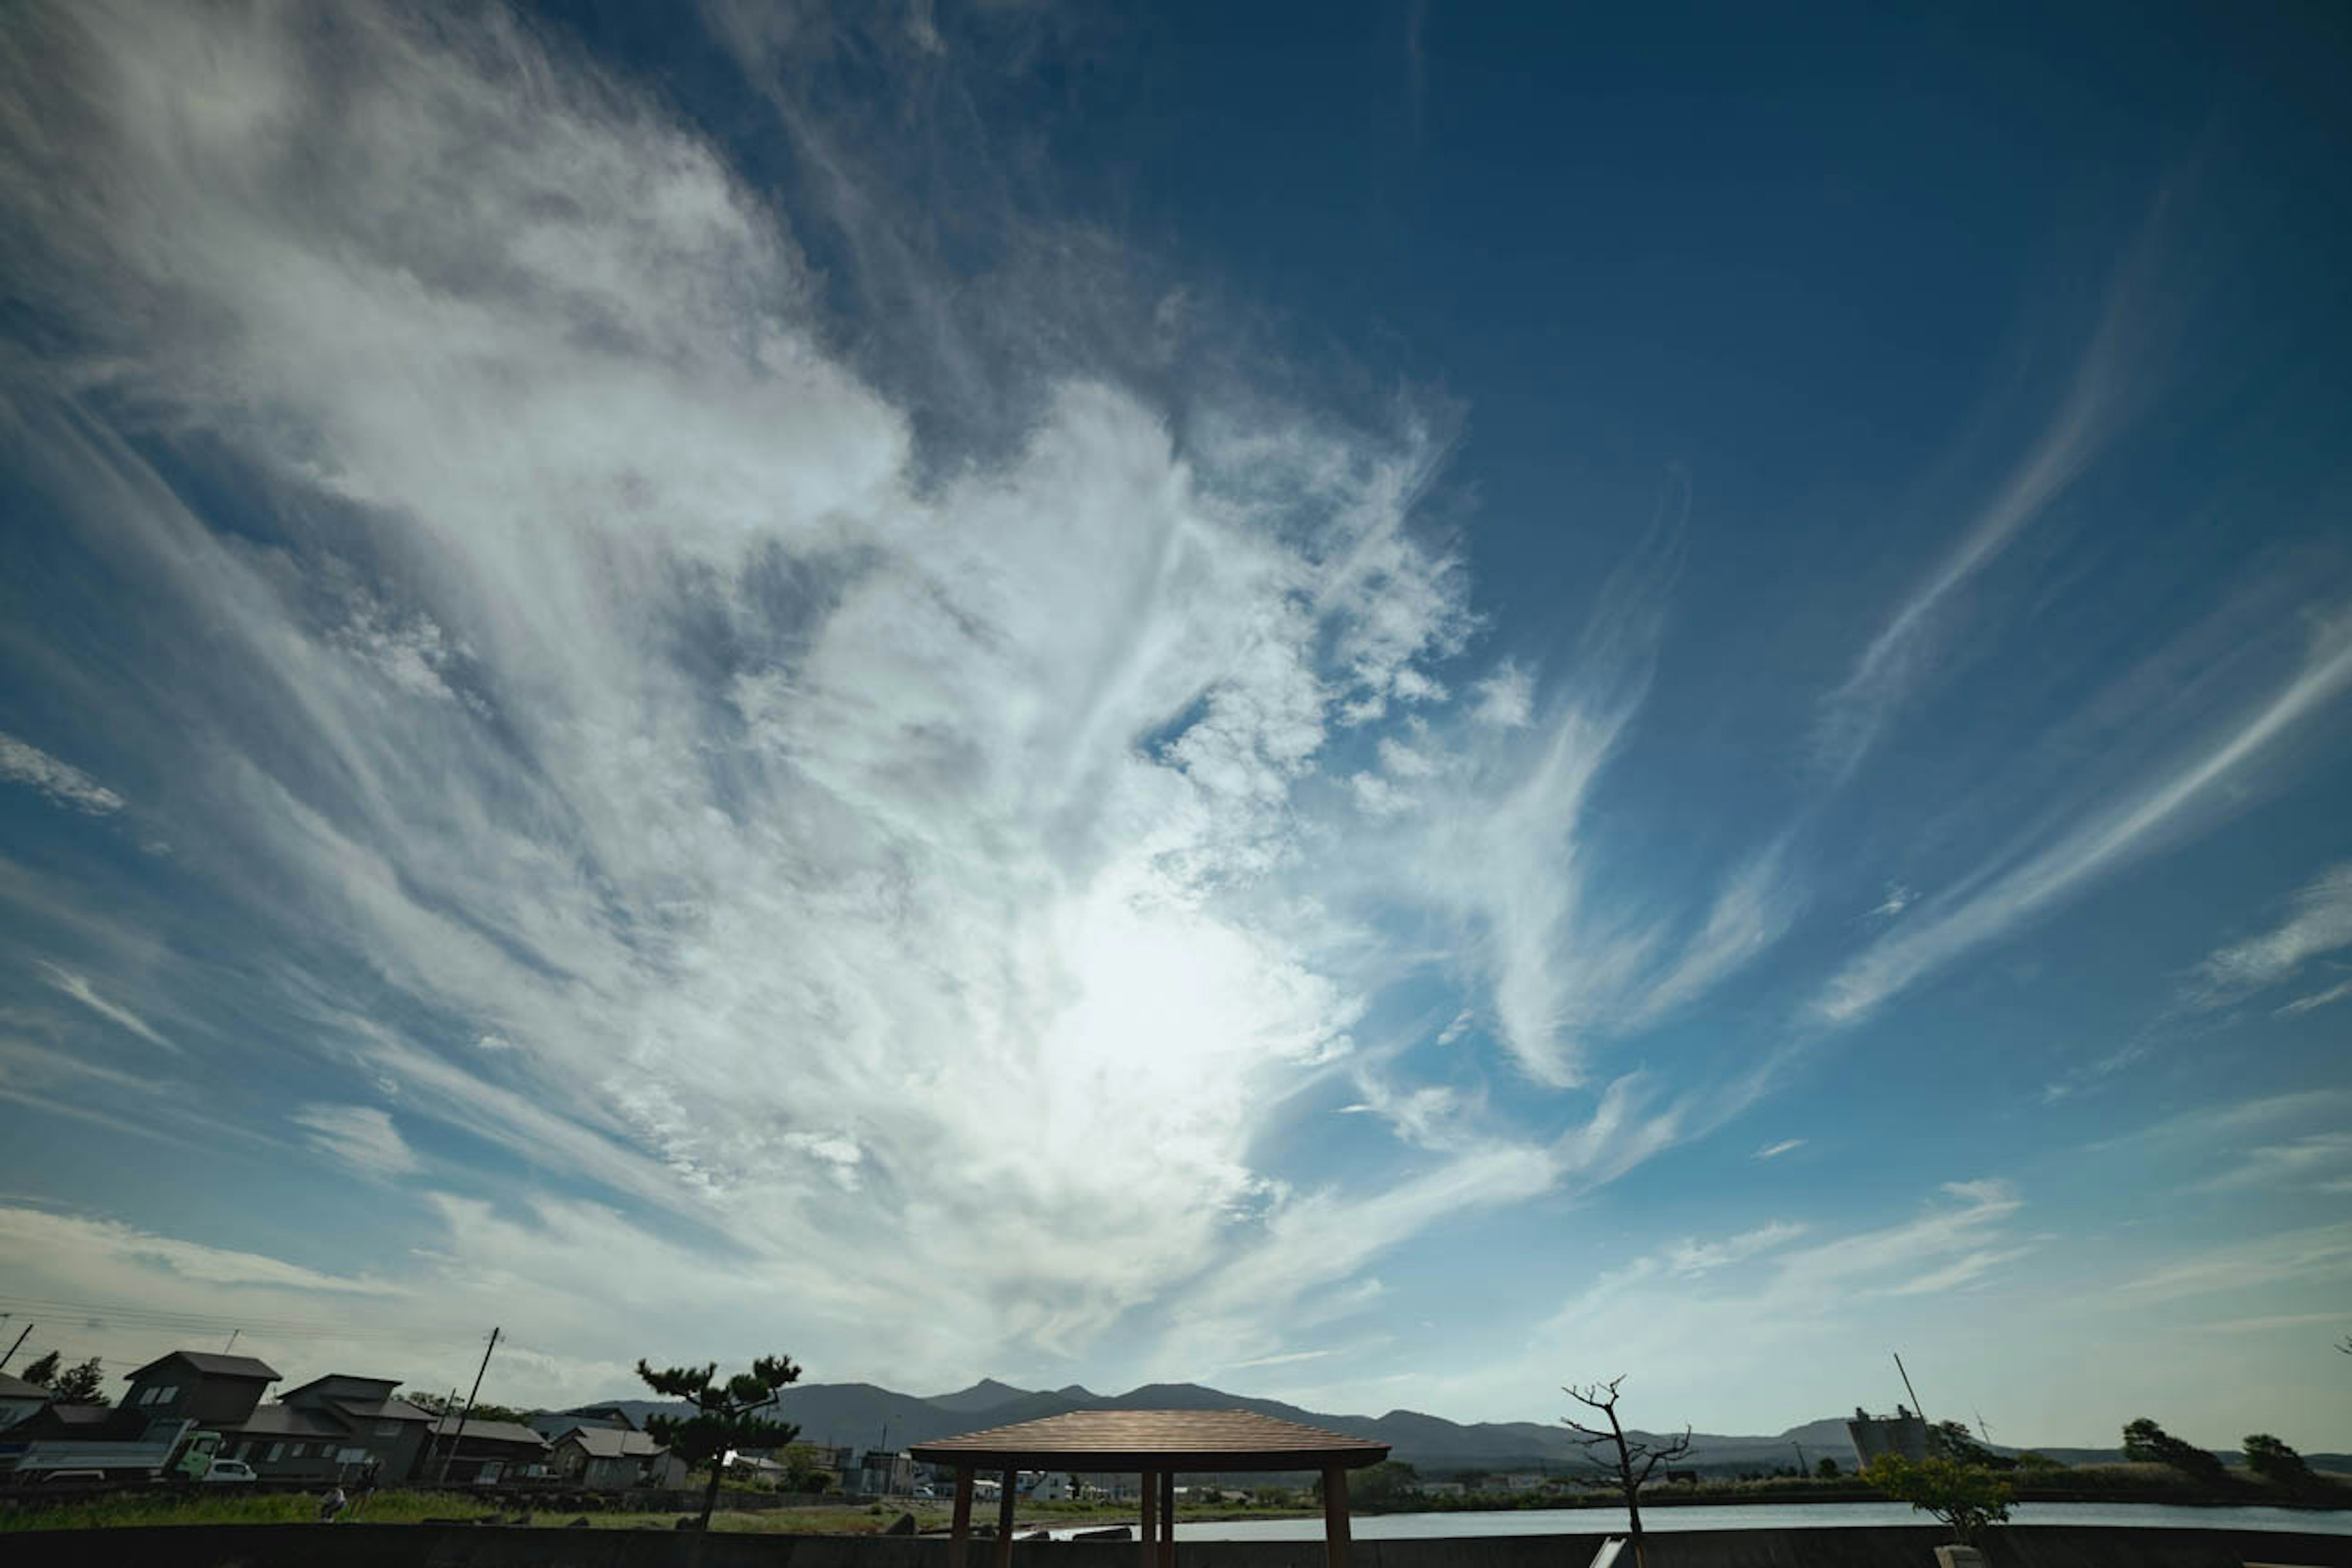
[{"x": 1756, "y": 1516}]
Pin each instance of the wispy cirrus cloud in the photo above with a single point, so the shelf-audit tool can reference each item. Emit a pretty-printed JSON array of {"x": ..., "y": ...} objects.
[
  {"x": 360, "y": 1136},
  {"x": 730, "y": 796},
  {"x": 2102, "y": 838},
  {"x": 2308, "y": 1254},
  {"x": 2308, "y": 1161},
  {"x": 2108, "y": 378},
  {"x": 23, "y": 763},
  {"x": 79, "y": 988},
  {"x": 2319, "y": 923}
]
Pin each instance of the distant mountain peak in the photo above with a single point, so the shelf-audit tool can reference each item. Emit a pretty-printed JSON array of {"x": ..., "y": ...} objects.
[{"x": 985, "y": 1394}]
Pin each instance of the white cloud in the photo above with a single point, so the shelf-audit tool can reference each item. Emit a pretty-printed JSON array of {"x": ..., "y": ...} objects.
[
  {"x": 942, "y": 886},
  {"x": 109, "y": 1252},
  {"x": 2320, "y": 923},
  {"x": 1765, "y": 1295},
  {"x": 360, "y": 1136},
  {"x": 2314, "y": 1001},
  {"x": 2315, "y": 1253},
  {"x": 63, "y": 784},
  {"x": 1689, "y": 1258},
  {"x": 1898, "y": 899},
  {"x": 2300, "y": 1160},
  {"x": 1774, "y": 1151},
  {"x": 1955, "y": 924},
  {"x": 1902, "y": 656},
  {"x": 1507, "y": 698},
  {"x": 79, "y": 988}
]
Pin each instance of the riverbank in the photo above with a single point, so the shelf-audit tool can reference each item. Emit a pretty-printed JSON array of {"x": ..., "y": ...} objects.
[{"x": 459, "y": 1546}]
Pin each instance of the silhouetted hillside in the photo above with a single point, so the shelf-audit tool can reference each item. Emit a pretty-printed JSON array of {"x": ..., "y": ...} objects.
[{"x": 858, "y": 1415}]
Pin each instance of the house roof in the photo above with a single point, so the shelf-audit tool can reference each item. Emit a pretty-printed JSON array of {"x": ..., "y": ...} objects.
[
  {"x": 381, "y": 1410},
  {"x": 212, "y": 1363},
  {"x": 1154, "y": 1440},
  {"x": 492, "y": 1432},
  {"x": 383, "y": 1386},
  {"x": 612, "y": 1443},
  {"x": 278, "y": 1420},
  {"x": 11, "y": 1387}
]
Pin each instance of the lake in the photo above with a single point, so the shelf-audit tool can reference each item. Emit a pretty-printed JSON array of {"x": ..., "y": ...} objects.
[{"x": 1756, "y": 1516}]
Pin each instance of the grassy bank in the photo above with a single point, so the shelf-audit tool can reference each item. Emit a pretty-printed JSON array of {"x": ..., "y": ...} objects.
[
  {"x": 213, "y": 1507},
  {"x": 409, "y": 1508}
]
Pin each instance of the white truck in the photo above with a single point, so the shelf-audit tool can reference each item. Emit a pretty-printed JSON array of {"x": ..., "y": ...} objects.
[{"x": 174, "y": 1448}]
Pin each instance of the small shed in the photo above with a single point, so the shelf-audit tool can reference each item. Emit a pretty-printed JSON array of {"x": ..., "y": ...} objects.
[{"x": 1155, "y": 1445}]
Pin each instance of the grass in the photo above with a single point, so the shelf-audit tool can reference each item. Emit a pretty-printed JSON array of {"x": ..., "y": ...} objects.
[
  {"x": 215, "y": 1507},
  {"x": 409, "y": 1508}
]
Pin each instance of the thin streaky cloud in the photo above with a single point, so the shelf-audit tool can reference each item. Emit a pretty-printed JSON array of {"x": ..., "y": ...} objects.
[
  {"x": 2320, "y": 923},
  {"x": 362, "y": 1137},
  {"x": 1901, "y": 657},
  {"x": 2316, "y": 1000},
  {"x": 1774, "y": 1151},
  {"x": 1929, "y": 941},
  {"x": 79, "y": 988},
  {"x": 67, "y": 785}
]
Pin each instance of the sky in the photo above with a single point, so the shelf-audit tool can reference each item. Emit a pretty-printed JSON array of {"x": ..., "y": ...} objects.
[{"x": 1382, "y": 705}]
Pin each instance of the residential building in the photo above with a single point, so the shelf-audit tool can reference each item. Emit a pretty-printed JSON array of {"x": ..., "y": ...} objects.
[
  {"x": 884, "y": 1474},
  {"x": 216, "y": 1391},
  {"x": 613, "y": 1458},
  {"x": 293, "y": 1443},
  {"x": 380, "y": 1434},
  {"x": 20, "y": 1399},
  {"x": 482, "y": 1453}
]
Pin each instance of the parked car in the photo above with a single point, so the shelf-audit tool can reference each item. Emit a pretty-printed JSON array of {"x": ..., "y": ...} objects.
[
  {"x": 55, "y": 1476},
  {"x": 230, "y": 1470}
]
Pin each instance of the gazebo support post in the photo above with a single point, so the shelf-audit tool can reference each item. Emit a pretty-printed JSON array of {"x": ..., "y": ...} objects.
[
  {"x": 960, "y": 1533},
  {"x": 1004, "y": 1499},
  {"x": 1149, "y": 1533},
  {"x": 1335, "y": 1516},
  {"x": 1167, "y": 1519}
]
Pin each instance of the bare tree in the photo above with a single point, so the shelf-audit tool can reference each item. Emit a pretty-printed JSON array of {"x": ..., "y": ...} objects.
[{"x": 1626, "y": 1461}]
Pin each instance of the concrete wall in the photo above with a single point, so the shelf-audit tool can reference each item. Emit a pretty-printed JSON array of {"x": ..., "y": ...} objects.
[{"x": 476, "y": 1546}]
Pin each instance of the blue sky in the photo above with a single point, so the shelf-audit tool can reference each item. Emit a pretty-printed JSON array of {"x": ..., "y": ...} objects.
[{"x": 1382, "y": 707}]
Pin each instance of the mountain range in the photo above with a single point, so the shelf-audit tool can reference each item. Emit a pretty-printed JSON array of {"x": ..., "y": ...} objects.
[{"x": 862, "y": 1416}]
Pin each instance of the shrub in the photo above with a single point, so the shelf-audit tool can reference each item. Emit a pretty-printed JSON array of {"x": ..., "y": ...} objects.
[{"x": 1966, "y": 1498}]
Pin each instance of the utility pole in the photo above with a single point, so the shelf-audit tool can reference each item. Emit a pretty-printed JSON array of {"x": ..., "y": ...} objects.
[
  {"x": 471, "y": 1397},
  {"x": 5, "y": 1360},
  {"x": 441, "y": 1428}
]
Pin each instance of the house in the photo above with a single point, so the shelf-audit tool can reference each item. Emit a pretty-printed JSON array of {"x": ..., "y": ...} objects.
[
  {"x": 610, "y": 1458},
  {"x": 884, "y": 1474},
  {"x": 339, "y": 1427},
  {"x": 292, "y": 1443},
  {"x": 166, "y": 1396},
  {"x": 20, "y": 1399},
  {"x": 210, "y": 1389},
  {"x": 483, "y": 1453}
]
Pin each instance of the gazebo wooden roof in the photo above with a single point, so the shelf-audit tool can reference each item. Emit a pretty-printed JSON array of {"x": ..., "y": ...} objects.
[
  {"x": 1154, "y": 1441},
  {"x": 1156, "y": 1444}
]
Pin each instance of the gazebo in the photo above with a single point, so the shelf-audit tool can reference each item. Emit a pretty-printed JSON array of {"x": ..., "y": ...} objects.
[{"x": 1154, "y": 1444}]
